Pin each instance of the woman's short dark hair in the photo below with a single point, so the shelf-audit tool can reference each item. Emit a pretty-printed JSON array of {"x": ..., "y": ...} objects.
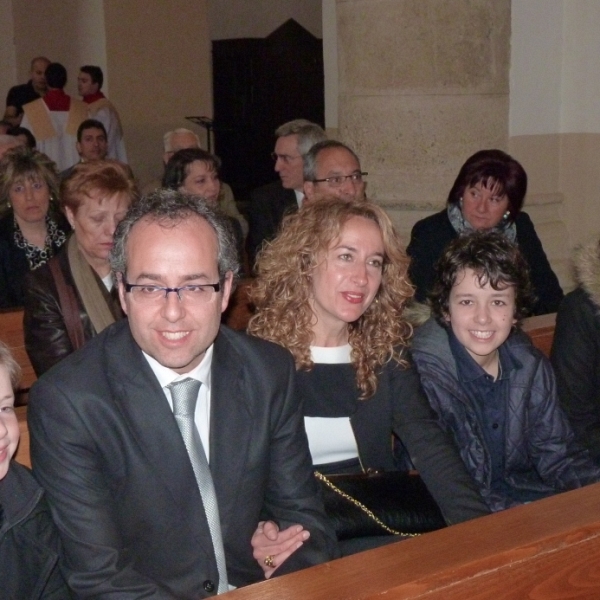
[
  {"x": 494, "y": 259},
  {"x": 178, "y": 167},
  {"x": 492, "y": 168}
]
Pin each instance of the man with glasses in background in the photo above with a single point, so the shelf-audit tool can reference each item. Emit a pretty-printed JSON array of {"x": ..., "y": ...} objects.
[
  {"x": 168, "y": 437},
  {"x": 332, "y": 169},
  {"x": 269, "y": 203}
]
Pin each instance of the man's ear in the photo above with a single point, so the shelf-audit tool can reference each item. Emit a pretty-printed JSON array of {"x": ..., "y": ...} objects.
[
  {"x": 78, "y": 147},
  {"x": 309, "y": 190},
  {"x": 122, "y": 292},
  {"x": 226, "y": 293}
]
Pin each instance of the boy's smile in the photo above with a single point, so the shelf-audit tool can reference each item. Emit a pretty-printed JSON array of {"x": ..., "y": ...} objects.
[{"x": 481, "y": 317}]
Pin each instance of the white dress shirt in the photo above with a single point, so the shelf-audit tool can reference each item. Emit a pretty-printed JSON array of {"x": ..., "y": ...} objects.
[{"x": 202, "y": 373}]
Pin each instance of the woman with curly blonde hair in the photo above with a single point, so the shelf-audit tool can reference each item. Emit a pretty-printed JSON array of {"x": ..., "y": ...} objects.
[{"x": 331, "y": 288}]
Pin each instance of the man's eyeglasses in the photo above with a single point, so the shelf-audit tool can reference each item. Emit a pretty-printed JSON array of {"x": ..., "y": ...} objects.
[
  {"x": 286, "y": 158},
  {"x": 338, "y": 180},
  {"x": 197, "y": 293}
]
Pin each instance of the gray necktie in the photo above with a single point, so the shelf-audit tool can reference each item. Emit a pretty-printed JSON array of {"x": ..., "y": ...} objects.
[{"x": 185, "y": 396}]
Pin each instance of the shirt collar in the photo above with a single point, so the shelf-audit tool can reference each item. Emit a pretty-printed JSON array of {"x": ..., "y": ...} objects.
[
  {"x": 93, "y": 97},
  {"x": 167, "y": 376}
]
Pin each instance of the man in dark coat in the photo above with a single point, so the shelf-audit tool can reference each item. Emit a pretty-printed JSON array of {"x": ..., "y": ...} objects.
[
  {"x": 270, "y": 203},
  {"x": 124, "y": 485}
]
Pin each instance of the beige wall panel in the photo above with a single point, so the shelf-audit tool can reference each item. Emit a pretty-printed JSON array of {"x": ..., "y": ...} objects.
[
  {"x": 160, "y": 72},
  {"x": 540, "y": 157},
  {"x": 567, "y": 165},
  {"x": 8, "y": 58},
  {"x": 564, "y": 192},
  {"x": 70, "y": 32},
  {"x": 414, "y": 146},
  {"x": 455, "y": 46},
  {"x": 258, "y": 18},
  {"x": 580, "y": 185}
]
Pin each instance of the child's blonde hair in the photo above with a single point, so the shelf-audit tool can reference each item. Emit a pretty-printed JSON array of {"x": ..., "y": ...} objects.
[{"x": 12, "y": 366}]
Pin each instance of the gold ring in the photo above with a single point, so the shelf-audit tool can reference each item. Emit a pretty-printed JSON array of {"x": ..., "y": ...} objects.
[{"x": 269, "y": 561}]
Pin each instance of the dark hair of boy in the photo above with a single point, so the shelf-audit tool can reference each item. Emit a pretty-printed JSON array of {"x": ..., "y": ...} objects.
[{"x": 494, "y": 258}]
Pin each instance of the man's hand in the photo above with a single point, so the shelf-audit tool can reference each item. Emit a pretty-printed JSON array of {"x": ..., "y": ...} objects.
[{"x": 271, "y": 547}]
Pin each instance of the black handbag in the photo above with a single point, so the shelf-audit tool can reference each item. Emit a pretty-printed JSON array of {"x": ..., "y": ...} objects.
[{"x": 380, "y": 503}]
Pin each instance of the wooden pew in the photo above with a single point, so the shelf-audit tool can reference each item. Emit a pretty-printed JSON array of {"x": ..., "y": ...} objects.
[
  {"x": 11, "y": 333},
  {"x": 22, "y": 454},
  {"x": 541, "y": 331},
  {"x": 240, "y": 308},
  {"x": 545, "y": 550}
]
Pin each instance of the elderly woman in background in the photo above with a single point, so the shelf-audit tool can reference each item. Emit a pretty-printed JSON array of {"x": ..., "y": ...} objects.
[
  {"x": 331, "y": 289},
  {"x": 73, "y": 297},
  {"x": 488, "y": 194},
  {"x": 31, "y": 230}
]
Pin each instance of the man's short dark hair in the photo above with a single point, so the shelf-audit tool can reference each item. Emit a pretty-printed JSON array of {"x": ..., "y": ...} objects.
[
  {"x": 56, "y": 76},
  {"x": 90, "y": 124},
  {"x": 310, "y": 158},
  {"x": 494, "y": 259},
  {"x": 170, "y": 207},
  {"x": 95, "y": 73},
  {"x": 16, "y": 131}
]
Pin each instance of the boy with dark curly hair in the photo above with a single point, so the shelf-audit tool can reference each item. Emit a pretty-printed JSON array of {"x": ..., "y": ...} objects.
[{"x": 491, "y": 388}]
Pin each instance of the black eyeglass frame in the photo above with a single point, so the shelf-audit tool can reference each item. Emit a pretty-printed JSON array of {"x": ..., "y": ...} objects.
[
  {"x": 355, "y": 176},
  {"x": 167, "y": 290}
]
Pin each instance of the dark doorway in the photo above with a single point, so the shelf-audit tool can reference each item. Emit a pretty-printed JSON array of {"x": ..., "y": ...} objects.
[{"x": 258, "y": 84}]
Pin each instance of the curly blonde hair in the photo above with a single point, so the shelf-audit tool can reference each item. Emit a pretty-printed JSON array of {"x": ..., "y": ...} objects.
[{"x": 283, "y": 288}]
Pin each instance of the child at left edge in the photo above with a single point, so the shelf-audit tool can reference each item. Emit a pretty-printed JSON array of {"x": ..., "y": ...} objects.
[
  {"x": 491, "y": 388},
  {"x": 28, "y": 538}
]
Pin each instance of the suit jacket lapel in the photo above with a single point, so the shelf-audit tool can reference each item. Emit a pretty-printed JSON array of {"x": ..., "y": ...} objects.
[
  {"x": 230, "y": 425},
  {"x": 142, "y": 402}
]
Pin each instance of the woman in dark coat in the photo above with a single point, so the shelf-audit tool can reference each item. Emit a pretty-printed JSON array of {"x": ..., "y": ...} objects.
[
  {"x": 72, "y": 297},
  {"x": 31, "y": 229},
  {"x": 576, "y": 350},
  {"x": 488, "y": 194}
]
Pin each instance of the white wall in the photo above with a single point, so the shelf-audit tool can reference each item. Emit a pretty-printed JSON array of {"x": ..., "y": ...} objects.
[
  {"x": 258, "y": 18},
  {"x": 536, "y": 61},
  {"x": 555, "y": 67},
  {"x": 581, "y": 67}
]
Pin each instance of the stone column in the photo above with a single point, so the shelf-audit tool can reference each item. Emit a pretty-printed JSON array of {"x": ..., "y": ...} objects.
[{"x": 422, "y": 85}]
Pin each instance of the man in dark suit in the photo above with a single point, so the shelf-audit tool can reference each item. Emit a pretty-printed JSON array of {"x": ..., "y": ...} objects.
[
  {"x": 270, "y": 203},
  {"x": 125, "y": 486}
]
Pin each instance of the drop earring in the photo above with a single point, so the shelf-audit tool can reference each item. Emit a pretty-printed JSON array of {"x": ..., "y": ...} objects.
[{"x": 506, "y": 215}]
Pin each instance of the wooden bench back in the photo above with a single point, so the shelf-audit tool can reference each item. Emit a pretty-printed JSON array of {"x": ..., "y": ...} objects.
[
  {"x": 11, "y": 333},
  {"x": 546, "y": 550},
  {"x": 541, "y": 331},
  {"x": 240, "y": 308},
  {"x": 22, "y": 454}
]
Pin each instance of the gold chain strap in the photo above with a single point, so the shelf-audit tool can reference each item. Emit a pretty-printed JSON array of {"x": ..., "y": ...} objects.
[{"x": 361, "y": 506}]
